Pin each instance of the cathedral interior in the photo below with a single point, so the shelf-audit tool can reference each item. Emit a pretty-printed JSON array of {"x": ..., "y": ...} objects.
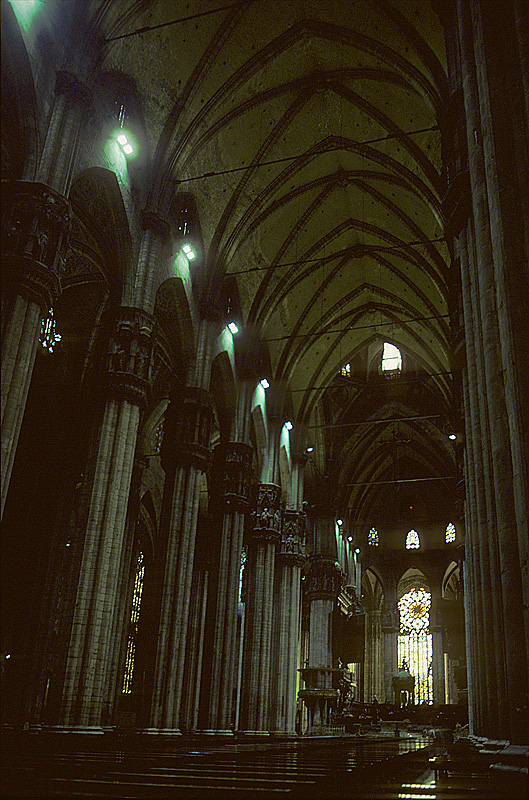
[{"x": 265, "y": 310}]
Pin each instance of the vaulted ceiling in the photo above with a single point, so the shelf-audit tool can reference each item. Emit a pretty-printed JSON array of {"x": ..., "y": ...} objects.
[{"x": 307, "y": 132}]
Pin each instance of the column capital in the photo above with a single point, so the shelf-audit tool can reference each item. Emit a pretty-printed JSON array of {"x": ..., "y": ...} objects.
[
  {"x": 188, "y": 422},
  {"x": 35, "y": 231},
  {"x": 151, "y": 221},
  {"x": 128, "y": 360},
  {"x": 237, "y": 475},
  {"x": 324, "y": 579},
  {"x": 68, "y": 84},
  {"x": 292, "y": 538},
  {"x": 266, "y": 512},
  {"x": 389, "y": 620}
]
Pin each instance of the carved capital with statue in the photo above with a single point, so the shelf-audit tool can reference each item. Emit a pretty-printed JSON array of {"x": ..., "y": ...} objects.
[
  {"x": 128, "y": 360},
  {"x": 187, "y": 435},
  {"x": 390, "y": 616},
  {"x": 237, "y": 475},
  {"x": 292, "y": 538},
  {"x": 324, "y": 580},
  {"x": 266, "y": 512},
  {"x": 36, "y": 227}
]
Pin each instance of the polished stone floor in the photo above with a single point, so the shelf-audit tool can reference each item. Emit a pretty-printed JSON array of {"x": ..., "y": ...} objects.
[{"x": 47, "y": 766}]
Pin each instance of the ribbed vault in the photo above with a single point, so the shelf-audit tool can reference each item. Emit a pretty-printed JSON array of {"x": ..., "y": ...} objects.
[{"x": 307, "y": 133}]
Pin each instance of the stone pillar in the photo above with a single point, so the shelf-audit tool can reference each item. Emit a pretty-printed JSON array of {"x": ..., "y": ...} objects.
[
  {"x": 287, "y": 609},
  {"x": 321, "y": 678},
  {"x": 235, "y": 501},
  {"x": 498, "y": 178},
  {"x": 35, "y": 231},
  {"x": 436, "y": 629},
  {"x": 89, "y": 661},
  {"x": 265, "y": 535},
  {"x": 190, "y": 454},
  {"x": 196, "y": 628},
  {"x": 390, "y": 629}
]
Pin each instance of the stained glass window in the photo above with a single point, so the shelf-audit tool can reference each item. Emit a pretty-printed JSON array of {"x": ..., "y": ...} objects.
[
  {"x": 391, "y": 358},
  {"x": 158, "y": 437},
  {"x": 241, "y": 574},
  {"x": 133, "y": 625},
  {"x": 415, "y": 640},
  {"x": 372, "y": 537},
  {"x": 346, "y": 371},
  {"x": 48, "y": 335},
  {"x": 450, "y": 533},
  {"x": 412, "y": 540}
]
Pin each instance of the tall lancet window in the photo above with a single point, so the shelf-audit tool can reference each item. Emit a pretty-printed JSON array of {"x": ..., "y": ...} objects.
[
  {"x": 372, "y": 537},
  {"x": 133, "y": 624},
  {"x": 415, "y": 641},
  {"x": 412, "y": 540},
  {"x": 48, "y": 335}
]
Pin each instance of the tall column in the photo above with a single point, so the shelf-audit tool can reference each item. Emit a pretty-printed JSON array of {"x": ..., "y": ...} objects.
[
  {"x": 196, "y": 628},
  {"x": 265, "y": 535},
  {"x": 235, "y": 501},
  {"x": 498, "y": 177},
  {"x": 35, "y": 231},
  {"x": 287, "y": 609},
  {"x": 191, "y": 454},
  {"x": 436, "y": 629},
  {"x": 390, "y": 629},
  {"x": 321, "y": 678},
  {"x": 89, "y": 662}
]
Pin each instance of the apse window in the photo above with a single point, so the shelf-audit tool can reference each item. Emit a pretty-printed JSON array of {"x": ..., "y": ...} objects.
[
  {"x": 372, "y": 537},
  {"x": 391, "y": 359},
  {"x": 346, "y": 371},
  {"x": 450, "y": 533},
  {"x": 412, "y": 540},
  {"x": 415, "y": 641}
]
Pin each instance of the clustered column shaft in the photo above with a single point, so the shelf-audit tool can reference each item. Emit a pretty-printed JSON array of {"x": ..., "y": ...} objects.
[
  {"x": 90, "y": 655},
  {"x": 237, "y": 473},
  {"x": 265, "y": 535},
  {"x": 191, "y": 453}
]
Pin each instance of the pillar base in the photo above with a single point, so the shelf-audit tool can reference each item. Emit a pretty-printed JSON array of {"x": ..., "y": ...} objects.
[
  {"x": 160, "y": 732},
  {"x": 89, "y": 730},
  {"x": 219, "y": 732}
]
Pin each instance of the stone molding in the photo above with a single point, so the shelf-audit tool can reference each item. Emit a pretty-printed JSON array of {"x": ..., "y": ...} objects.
[
  {"x": 324, "y": 580},
  {"x": 237, "y": 475},
  {"x": 266, "y": 512},
  {"x": 292, "y": 538},
  {"x": 35, "y": 231},
  {"x": 129, "y": 356}
]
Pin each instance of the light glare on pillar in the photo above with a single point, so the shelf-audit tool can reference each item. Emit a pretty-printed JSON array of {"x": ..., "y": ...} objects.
[
  {"x": 233, "y": 328},
  {"x": 310, "y": 449},
  {"x": 339, "y": 521},
  {"x": 264, "y": 383},
  {"x": 452, "y": 436},
  {"x": 288, "y": 425}
]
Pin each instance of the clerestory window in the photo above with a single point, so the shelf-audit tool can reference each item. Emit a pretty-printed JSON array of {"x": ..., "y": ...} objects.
[{"x": 391, "y": 359}]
